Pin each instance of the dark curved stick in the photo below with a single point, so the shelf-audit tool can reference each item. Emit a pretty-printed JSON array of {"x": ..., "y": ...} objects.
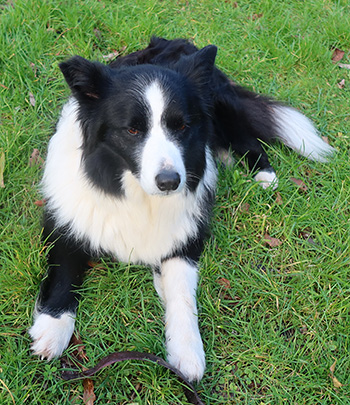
[{"x": 116, "y": 357}]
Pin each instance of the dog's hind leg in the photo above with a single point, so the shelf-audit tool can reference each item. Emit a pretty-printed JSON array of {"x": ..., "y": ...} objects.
[
  {"x": 54, "y": 314},
  {"x": 176, "y": 283}
]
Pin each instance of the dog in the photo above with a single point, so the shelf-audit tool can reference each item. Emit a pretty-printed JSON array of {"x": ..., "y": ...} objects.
[{"x": 131, "y": 172}]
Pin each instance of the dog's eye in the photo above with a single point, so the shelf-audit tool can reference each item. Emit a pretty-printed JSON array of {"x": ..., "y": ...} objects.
[
  {"x": 133, "y": 131},
  {"x": 179, "y": 126}
]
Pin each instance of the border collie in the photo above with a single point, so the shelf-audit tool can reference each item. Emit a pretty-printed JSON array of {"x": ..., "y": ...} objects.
[{"x": 131, "y": 173}]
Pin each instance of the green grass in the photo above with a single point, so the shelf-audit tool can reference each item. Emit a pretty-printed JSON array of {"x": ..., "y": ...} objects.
[{"x": 273, "y": 334}]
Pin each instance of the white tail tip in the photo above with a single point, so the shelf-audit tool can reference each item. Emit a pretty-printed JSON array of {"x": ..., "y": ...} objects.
[{"x": 298, "y": 132}]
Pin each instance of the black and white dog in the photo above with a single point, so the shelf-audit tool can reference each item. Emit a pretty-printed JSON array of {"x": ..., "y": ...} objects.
[{"x": 131, "y": 173}]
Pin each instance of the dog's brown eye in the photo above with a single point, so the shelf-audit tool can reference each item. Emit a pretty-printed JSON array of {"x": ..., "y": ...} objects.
[
  {"x": 182, "y": 127},
  {"x": 133, "y": 131}
]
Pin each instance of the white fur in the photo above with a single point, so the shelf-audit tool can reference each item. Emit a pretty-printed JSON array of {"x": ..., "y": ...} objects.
[
  {"x": 159, "y": 152},
  {"x": 299, "y": 133},
  {"x": 177, "y": 286},
  {"x": 267, "y": 179},
  {"x": 138, "y": 228},
  {"x": 51, "y": 335}
]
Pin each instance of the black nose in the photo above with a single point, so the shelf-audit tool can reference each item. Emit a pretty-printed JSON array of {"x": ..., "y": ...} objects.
[{"x": 168, "y": 180}]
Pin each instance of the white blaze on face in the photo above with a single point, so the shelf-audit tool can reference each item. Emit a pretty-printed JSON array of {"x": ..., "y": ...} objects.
[{"x": 159, "y": 153}]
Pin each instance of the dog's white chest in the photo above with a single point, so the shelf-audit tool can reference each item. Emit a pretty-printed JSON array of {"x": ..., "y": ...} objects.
[{"x": 137, "y": 227}]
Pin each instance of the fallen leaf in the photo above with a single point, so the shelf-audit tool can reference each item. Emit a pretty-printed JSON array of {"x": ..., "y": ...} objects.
[
  {"x": 89, "y": 395},
  {"x": 110, "y": 56},
  {"x": 113, "y": 54},
  {"x": 32, "y": 99},
  {"x": 332, "y": 367},
  {"x": 336, "y": 382},
  {"x": 279, "y": 200},
  {"x": 98, "y": 33},
  {"x": 79, "y": 352},
  {"x": 40, "y": 203},
  {"x": 255, "y": 16},
  {"x": 244, "y": 207},
  {"x": 344, "y": 65},
  {"x": 302, "y": 186},
  {"x": 35, "y": 159},
  {"x": 341, "y": 84},
  {"x": 234, "y": 3},
  {"x": 226, "y": 284},
  {"x": 2, "y": 169},
  {"x": 272, "y": 242},
  {"x": 338, "y": 55},
  {"x": 306, "y": 235},
  {"x": 325, "y": 139}
]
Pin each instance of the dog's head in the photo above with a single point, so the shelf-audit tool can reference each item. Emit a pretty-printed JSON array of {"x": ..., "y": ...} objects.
[{"x": 153, "y": 121}]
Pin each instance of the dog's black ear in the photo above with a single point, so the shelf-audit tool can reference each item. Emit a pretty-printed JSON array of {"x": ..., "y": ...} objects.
[
  {"x": 198, "y": 66},
  {"x": 86, "y": 79}
]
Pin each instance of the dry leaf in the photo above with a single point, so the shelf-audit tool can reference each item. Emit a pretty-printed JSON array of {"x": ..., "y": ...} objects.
[
  {"x": 271, "y": 242},
  {"x": 306, "y": 235},
  {"x": 113, "y": 54},
  {"x": 226, "y": 284},
  {"x": 341, "y": 84},
  {"x": 234, "y": 3},
  {"x": 79, "y": 352},
  {"x": 89, "y": 395},
  {"x": 332, "y": 367},
  {"x": 344, "y": 65},
  {"x": 98, "y": 33},
  {"x": 2, "y": 169},
  {"x": 279, "y": 200},
  {"x": 302, "y": 186},
  {"x": 338, "y": 55},
  {"x": 32, "y": 99},
  {"x": 255, "y": 16},
  {"x": 336, "y": 382},
  {"x": 35, "y": 159},
  {"x": 325, "y": 139},
  {"x": 244, "y": 207},
  {"x": 39, "y": 203}
]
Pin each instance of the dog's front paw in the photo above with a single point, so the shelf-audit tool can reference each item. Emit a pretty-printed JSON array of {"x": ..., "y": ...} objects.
[
  {"x": 51, "y": 335},
  {"x": 189, "y": 358}
]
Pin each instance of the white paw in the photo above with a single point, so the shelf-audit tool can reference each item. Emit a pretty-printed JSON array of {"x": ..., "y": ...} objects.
[
  {"x": 267, "y": 179},
  {"x": 51, "y": 335},
  {"x": 188, "y": 357}
]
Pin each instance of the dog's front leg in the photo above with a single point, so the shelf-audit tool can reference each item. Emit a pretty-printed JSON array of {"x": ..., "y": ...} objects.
[
  {"x": 176, "y": 283},
  {"x": 54, "y": 314}
]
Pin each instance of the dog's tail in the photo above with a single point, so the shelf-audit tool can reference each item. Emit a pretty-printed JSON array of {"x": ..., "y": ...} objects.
[
  {"x": 298, "y": 132},
  {"x": 245, "y": 120}
]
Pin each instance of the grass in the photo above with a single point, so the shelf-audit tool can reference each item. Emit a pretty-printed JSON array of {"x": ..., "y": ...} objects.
[{"x": 273, "y": 319}]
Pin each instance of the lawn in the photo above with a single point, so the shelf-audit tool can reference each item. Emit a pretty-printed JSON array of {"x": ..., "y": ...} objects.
[{"x": 274, "y": 290}]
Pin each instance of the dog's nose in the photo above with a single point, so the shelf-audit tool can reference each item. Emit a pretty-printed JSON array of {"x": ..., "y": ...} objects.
[{"x": 168, "y": 180}]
